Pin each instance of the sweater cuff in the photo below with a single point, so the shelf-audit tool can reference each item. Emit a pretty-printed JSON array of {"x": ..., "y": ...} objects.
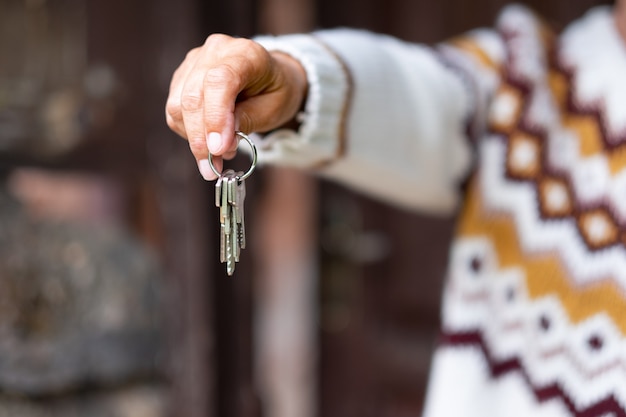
[{"x": 320, "y": 136}]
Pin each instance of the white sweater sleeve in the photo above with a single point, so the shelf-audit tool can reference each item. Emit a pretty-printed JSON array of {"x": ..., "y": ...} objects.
[{"x": 385, "y": 117}]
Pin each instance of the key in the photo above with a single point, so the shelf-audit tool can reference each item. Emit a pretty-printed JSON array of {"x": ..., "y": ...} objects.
[
  {"x": 221, "y": 199},
  {"x": 230, "y": 193},
  {"x": 231, "y": 241},
  {"x": 241, "y": 197},
  {"x": 218, "y": 203},
  {"x": 235, "y": 195},
  {"x": 218, "y": 192},
  {"x": 228, "y": 231},
  {"x": 224, "y": 206},
  {"x": 232, "y": 201}
]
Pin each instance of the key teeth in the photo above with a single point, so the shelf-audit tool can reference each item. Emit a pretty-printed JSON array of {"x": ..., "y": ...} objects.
[
  {"x": 230, "y": 265},
  {"x": 230, "y": 197},
  {"x": 241, "y": 237}
]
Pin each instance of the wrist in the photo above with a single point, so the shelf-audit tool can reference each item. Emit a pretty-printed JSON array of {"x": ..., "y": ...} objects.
[{"x": 296, "y": 82}]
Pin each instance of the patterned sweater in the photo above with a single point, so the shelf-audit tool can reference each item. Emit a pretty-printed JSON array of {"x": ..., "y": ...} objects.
[{"x": 534, "y": 123}]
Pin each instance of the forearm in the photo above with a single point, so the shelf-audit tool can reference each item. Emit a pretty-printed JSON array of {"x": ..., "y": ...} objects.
[{"x": 385, "y": 117}]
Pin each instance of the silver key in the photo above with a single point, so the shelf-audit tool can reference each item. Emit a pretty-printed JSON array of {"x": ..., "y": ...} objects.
[
  {"x": 224, "y": 206},
  {"x": 228, "y": 225},
  {"x": 218, "y": 203},
  {"x": 221, "y": 199},
  {"x": 232, "y": 201},
  {"x": 234, "y": 189},
  {"x": 218, "y": 192},
  {"x": 230, "y": 193},
  {"x": 241, "y": 197}
]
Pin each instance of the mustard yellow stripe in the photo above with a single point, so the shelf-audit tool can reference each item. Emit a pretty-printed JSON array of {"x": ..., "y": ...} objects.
[
  {"x": 617, "y": 160},
  {"x": 586, "y": 127},
  {"x": 474, "y": 50},
  {"x": 545, "y": 275}
]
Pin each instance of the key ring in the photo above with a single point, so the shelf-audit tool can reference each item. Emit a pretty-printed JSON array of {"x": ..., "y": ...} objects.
[{"x": 254, "y": 157}]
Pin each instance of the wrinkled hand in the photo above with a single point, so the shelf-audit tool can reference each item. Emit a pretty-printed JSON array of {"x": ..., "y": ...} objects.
[{"x": 231, "y": 84}]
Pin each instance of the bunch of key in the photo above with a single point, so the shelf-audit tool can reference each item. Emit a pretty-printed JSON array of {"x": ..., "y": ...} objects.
[{"x": 230, "y": 193}]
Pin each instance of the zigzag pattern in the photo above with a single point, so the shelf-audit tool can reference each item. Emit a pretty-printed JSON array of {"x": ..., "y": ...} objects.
[
  {"x": 586, "y": 353},
  {"x": 581, "y": 200},
  {"x": 545, "y": 112},
  {"x": 537, "y": 279},
  {"x": 578, "y": 113},
  {"x": 498, "y": 368},
  {"x": 605, "y": 295},
  {"x": 537, "y": 235}
]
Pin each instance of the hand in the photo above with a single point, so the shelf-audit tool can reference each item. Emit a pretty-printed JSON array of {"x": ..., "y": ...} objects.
[{"x": 231, "y": 84}]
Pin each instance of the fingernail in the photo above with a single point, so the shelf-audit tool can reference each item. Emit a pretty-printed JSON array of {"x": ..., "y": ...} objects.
[
  {"x": 205, "y": 170},
  {"x": 214, "y": 142}
]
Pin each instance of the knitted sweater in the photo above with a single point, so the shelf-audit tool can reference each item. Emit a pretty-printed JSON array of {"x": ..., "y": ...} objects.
[{"x": 534, "y": 310}]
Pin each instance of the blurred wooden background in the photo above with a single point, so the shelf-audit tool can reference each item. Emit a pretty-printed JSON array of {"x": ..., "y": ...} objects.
[{"x": 333, "y": 310}]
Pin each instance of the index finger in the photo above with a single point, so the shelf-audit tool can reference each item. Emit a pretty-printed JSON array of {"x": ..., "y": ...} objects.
[{"x": 243, "y": 65}]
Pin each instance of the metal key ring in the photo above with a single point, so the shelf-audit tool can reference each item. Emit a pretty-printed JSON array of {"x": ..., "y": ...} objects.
[{"x": 254, "y": 158}]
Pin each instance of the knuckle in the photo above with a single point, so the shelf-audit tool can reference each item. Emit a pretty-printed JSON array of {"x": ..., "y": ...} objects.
[
  {"x": 198, "y": 146},
  {"x": 171, "y": 123},
  {"x": 257, "y": 52},
  {"x": 251, "y": 51},
  {"x": 220, "y": 75},
  {"x": 173, "y": 109},
  {"x": 213, "y": 116},
  {"x": 190, "y": 101},
  {"x": 242, "y": 44},
  {"x": 216, "y": 39},
  {"x": 191, "y": 54}
]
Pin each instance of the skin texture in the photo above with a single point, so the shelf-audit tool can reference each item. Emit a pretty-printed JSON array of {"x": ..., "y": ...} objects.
[{"x": 230, "y": 84}]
